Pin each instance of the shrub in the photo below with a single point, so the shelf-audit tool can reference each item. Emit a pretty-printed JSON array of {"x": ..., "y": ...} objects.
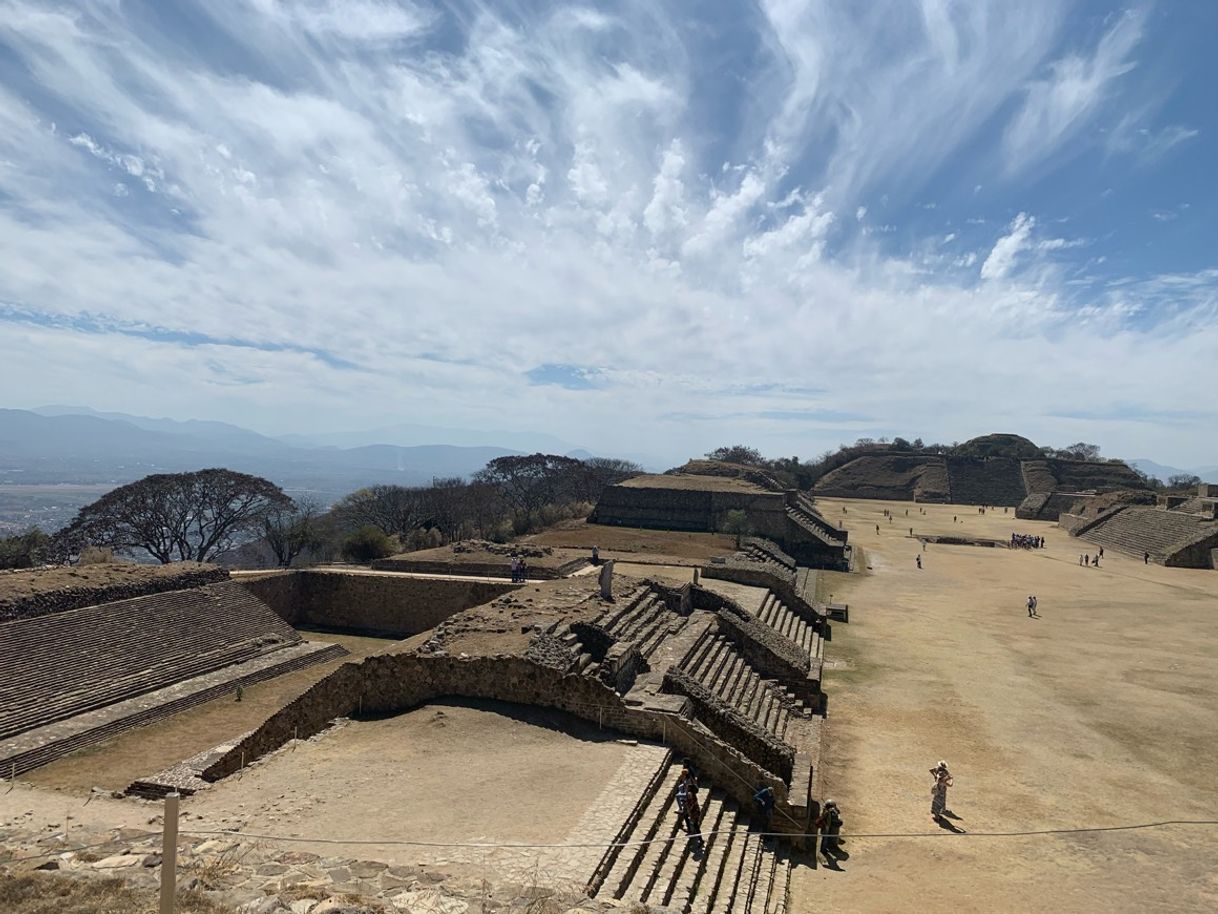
[
  {"x": 24, "y": 550},
  {"x": 367, "y": 544},
  {"x": 96, "y": 555}
]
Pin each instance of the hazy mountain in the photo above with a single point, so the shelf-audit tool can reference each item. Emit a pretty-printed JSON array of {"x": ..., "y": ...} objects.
[
  {"x": 213, "y": 432},
  {"x": 76, "y": 448},
  {"x": 1160, "y": 471},
  {"x": 406, "y": 434},
  {"x": 1163, "y": 471}
]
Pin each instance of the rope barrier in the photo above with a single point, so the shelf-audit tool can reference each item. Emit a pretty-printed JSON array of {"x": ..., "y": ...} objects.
[{"x": 487, "y": 845}]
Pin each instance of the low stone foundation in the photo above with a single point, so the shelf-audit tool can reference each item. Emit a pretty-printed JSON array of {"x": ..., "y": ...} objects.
[{"x": 392, "y": 683}]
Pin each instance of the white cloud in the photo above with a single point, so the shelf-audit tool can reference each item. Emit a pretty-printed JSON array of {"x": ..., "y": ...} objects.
[
  {"x": 665, "y": 210},
  {"x": 1057, "y": 107},
  {"x": 1008, "y": 247},
  {"x": 545, "y": 189}
]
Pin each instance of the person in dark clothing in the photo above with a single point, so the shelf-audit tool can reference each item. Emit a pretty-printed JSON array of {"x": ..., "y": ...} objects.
[
  {"x": 1145, "y": 558},
  {"x": 763, "y": 799},
  {"x": 829, "y": 824}
]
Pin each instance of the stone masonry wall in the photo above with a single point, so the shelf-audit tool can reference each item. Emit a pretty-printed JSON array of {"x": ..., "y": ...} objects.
[
  {"x": 393, "y": 683},
  {"x": 729, "y": 724},
  {"x": 375, "y": 604},
  {"x": 769, "y": 652},
  {"x": 689, "y": 509}
]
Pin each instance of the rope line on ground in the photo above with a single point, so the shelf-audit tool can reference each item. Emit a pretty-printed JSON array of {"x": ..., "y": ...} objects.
[
  {"x": 677, "y": 836},
  {"x": 706, "y": 834}
]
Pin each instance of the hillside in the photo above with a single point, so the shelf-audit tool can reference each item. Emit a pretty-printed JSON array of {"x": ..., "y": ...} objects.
[{"x": 992, "y": 470}]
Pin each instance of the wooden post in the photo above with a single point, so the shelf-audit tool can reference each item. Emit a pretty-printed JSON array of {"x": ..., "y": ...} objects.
[{"x": 169, "y": 855}]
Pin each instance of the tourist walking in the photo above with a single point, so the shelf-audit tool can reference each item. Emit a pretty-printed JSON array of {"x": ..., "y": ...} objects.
[
  {"x": 1031, "y": 606},
  {"x": 918, "y": 559},
  {"x": 1101, "y": 551},
  {"x": 689, "y": 815},
  {"x": 938, "y": 791},
  {"x": 763, "y": 799},
  {"x": 829, "y": 824},
  {"x": 1145, "y": 558}
]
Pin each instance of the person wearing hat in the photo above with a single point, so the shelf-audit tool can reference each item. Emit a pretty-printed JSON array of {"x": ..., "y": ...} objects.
[
  {"x": 829, "y": 824},
  {"x": 938, "y": 791}
]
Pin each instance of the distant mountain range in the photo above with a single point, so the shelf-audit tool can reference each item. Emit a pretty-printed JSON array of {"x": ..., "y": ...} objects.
[
  {"x": 1164, "y": 472},
  {"x": 58, "y": 444}
]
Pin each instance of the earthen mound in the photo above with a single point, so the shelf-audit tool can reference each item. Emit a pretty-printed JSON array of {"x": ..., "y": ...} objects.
[{"x": 998, "y": 445}]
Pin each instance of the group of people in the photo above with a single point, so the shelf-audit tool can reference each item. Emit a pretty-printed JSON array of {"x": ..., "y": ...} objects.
[
  {"x": 1089, "y": 560},
  {"x": 519, "y": 569},
  {"x": 1027, "y": 541},
  {"x": 1032, "y": 604},
  {"x": 828, "y": 823}
]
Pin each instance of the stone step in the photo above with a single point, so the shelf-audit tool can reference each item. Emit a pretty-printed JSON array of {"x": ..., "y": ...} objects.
[
  {"x": 655, "y": 821},
  {"x": 128, "y": 647}
]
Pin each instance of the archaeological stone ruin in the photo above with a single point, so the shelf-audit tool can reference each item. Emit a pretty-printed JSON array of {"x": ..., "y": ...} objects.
[{"x": 723, "y": 675}]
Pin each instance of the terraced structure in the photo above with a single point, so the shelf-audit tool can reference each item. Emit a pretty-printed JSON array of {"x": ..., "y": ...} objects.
[
  {"x": 1001, "y": 470},
  {"x": 75, "y": 677},
  {"x": 1169, "y": 537},
  {"x": 700, "y": 499},
  {"x": 722, "y": 676}
]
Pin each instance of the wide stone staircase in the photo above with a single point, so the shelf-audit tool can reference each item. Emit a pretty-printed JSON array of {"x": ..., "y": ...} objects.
[
  {"x": 736, "y": 871},
  {"x": 790, "y": 624},
  {"x": 643, "y": 618},
  {"x": 770, "y": 555},
  {"x": 986, "y": 481},
  {"x": 1137, "y": 529},
  {"x": 722, "y": 669},
  {"x": 63, "y": 664},
  {"x": 805, "y": 514}
]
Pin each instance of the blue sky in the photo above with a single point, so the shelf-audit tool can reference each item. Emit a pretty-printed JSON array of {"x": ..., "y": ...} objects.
[{"x": 646, "y": 227}]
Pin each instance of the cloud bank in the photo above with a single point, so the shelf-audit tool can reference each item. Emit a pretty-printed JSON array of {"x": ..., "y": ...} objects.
[{"x": 645, "y": 229}]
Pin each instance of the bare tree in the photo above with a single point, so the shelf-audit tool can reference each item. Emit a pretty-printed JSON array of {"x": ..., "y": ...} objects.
[
  {"x": 179, "y": 516},
  {"x": 394, "y": 510},
  {"x": 292, "y": 530},
  {"x": 736, "y": 453},
  {"x": 530, "y": 482}
]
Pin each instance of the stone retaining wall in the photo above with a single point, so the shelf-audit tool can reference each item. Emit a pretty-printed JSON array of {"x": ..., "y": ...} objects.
[
  {"x": 535, "y": 572},
  {"x": 373, "y": 604},
  {"x": 759, "y": 744},
  {"x": 698, "y": 510}
]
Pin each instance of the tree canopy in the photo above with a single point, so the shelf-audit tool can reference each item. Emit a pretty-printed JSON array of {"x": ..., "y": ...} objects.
[{"x": 178, "y": 516}]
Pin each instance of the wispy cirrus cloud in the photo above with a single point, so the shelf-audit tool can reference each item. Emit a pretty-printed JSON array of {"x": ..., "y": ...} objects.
[
  {"x": 1059, "y": 106},
  {"x": 601, "y": 217}
]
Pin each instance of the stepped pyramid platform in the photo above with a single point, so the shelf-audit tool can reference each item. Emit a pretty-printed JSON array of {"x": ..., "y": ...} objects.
[
  {"x": 75, "y": 678},
  {"x": 1171, "y": 537}
]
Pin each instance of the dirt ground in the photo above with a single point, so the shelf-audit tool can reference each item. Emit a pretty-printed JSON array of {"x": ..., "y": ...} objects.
[
  {"x": 138, "y": 753},
  {"x": 453, "y": 771},
  {"x": 19, "y": 584},
  {"x": 1103, "y": 711},
  {"x": 633, "y": 543}
]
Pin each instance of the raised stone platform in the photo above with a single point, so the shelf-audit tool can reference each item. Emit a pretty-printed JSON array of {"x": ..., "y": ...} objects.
[{"x": 41, "y": 745}]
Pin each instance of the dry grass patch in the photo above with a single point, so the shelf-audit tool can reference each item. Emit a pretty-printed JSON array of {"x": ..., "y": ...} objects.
[{"x": 51, "y": 893}]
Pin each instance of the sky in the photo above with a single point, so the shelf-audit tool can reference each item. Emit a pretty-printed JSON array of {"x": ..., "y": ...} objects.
[{"x": 649, "y": 228}]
